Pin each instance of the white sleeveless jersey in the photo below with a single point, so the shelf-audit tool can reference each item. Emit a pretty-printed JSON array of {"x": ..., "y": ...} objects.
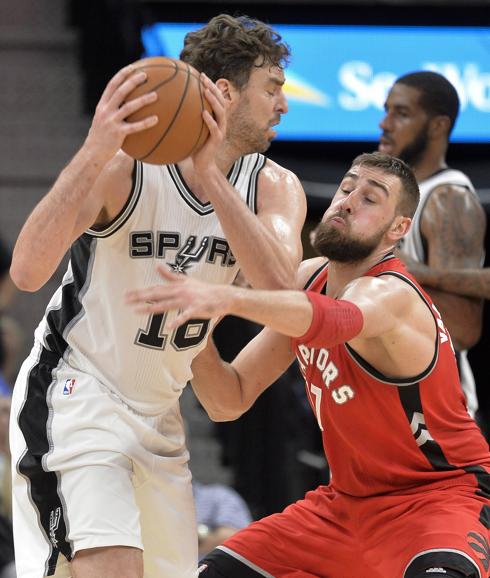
[
  {"x": 413, "y": 246},
  {"x": 412, "y": 242},
  {"x": 87, "y": 320}
]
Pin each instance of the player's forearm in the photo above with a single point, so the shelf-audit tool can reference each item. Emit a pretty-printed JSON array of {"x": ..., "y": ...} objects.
[
  {"x": 469, "y": 282},
  {"x": 318, "y": 320},
  {"x": 49, "y": 230},
  {"x": 217, "y": 386},
  {"x": 431, "y": 277},
  {"x": 286, "y": 312},
  {"x": 263, "y": 259}
]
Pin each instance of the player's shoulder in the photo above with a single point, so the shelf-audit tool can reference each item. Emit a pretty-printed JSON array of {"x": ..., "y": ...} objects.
[
  {"x": 307, "y": 270},
  {"x": 449, "y": 182},
  {"x": 447, "y": 189},
  {"x": 453, "y": 197},
  {"x": 389, "y": 281},
  {"x": 275, "y": 174},
  {"x": 389, "y": 294}
]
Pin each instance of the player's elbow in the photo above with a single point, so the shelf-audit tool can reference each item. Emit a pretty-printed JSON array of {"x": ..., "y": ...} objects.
[
  {"x": 221, "y": 410},
  {"x": 23, "y": 278}
]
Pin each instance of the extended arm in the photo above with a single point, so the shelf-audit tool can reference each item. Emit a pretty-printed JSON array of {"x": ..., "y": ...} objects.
[
  {"x": 453, "y": 224},
  {"x": 80, "y": 193},
  {"x": 385, "y": 312}
]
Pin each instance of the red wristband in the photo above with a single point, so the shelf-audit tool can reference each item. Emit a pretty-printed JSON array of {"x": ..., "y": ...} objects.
[{"x": 334, "y": 321}]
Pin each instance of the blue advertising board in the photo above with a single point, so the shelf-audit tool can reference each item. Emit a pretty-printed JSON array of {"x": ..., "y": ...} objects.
[{"x": 339, "y": 76}]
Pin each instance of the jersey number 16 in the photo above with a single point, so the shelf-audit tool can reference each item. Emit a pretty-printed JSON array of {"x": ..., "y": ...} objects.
[{"x": 188, "y": 335}]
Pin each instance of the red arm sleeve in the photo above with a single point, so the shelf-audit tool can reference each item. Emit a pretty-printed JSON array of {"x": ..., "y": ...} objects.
[{"x": 334, "y": 321}]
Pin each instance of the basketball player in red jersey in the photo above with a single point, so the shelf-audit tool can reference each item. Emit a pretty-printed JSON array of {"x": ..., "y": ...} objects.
[{"x": 409, "y": 495}]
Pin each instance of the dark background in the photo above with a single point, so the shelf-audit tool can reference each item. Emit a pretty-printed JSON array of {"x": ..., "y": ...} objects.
[{"x": 110, "y": 39}]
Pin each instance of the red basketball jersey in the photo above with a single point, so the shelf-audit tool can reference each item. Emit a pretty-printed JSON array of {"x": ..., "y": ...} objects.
[{"x": 393, "y": 435}]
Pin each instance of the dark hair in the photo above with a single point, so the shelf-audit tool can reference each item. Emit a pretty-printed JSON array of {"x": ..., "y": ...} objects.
[
  {"x": 410, "y": 194},
  {"x": 229, "y": 47},
  {"x": 437, "y": 94}
]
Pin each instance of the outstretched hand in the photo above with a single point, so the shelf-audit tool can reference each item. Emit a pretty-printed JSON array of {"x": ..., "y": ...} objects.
[{"x": 193, "y": 299}]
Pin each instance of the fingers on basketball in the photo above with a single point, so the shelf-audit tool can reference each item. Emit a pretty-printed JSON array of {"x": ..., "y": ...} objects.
[{"x": 181, "y": 129}]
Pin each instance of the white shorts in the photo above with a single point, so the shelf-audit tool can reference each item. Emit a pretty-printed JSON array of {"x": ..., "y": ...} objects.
[{"x": 88, "y": 471}]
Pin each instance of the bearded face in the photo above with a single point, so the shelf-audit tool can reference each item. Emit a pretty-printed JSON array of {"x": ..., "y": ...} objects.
[
  {"x": 413, "y": 152},
  {"x": 258, "y": 108},
  {"x": 337, "y": 245},
  {"x": 245, "y": 129}
]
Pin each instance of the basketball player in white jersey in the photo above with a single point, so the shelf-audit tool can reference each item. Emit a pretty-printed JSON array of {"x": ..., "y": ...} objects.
[
  {"x": 101, "y": 483},
  {"x": 448, "y": 228}
]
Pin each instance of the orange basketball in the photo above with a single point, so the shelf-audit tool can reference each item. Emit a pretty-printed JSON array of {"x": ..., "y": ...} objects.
[{"x": 180, "y": 130}]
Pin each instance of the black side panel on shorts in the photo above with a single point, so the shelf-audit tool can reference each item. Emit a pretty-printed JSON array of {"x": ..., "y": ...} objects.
[
  {"x": 220, "y": 565},
  {"x": 42, "y": 484},
  {"x": 34, "y": 416}
]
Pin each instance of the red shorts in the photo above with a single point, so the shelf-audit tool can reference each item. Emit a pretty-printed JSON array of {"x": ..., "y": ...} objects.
[{"x": 331, "y": 535}]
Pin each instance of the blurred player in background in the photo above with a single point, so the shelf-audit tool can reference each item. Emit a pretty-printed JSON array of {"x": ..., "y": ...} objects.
[{"x": 448, "y": 228}]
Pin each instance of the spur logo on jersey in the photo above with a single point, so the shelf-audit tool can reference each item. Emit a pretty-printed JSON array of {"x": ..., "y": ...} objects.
[
  {"x": 171, "y": 246},
  {"x": 188, "y": 254},
  {"x": 54, "y": 522},
  {"x": 329, "y": 374},
  {"x": 69, "y": 386}
]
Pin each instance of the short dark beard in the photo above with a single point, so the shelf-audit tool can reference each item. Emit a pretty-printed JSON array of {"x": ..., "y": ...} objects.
[
  {"x": 330, "y": 242},
  {"x": 412, "y": 154},
  {"x": 241, "y": 129}
]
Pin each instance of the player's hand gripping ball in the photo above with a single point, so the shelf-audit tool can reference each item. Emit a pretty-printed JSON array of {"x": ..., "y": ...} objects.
[{"x": 180, "y": 130}]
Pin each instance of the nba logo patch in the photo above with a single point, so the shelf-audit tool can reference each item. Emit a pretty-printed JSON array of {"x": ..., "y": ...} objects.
[{"x": 69, "y": 385}]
